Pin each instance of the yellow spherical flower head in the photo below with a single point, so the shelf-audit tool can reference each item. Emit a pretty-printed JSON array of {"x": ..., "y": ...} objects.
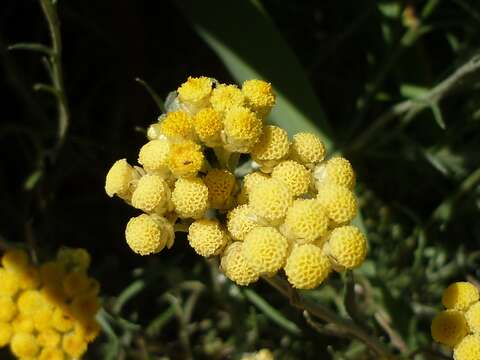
[
  {"x": 52, "y": 273},
  {"x": 42, "y": 319},
  {"x": 153, "y": 156},
  {"x": 259, "y": 95},
  {"x": 264, "y": 354},
  {"x": 249, "y": 182},
  {"x": 23, "y": 323},
  {"x": 207, "y": 237},
  {"x": 272, "y": 147},
  {"x": 294, "y": 175},
  {"x": 242, "y": 129},
  {"x": 185, "y": 159},
  {"x": 337, "y": 170},
  {"x": 29, "y": 278},
  {"x": 51, "y": 354},
  {"x": 8, "y": 283},
  {"x": 460, "y": 295},
  {"x": 62, "y": 320},
  {"x": 177, "y": 126},
  {"x": 89, "y": 329},
  {"x": 306, "y": 221},
  {"x": 473, "y": 317},
  {"x": 75, "y": 282},
  {"x": 270, "y": 201},
  {"x": 149, "y": 234},
  {"x": 24, "y": 345},
  {"x": 224, "y": 97},
  {"x": 468, "y": 348},
  {"x": 449, "y": 327},
  {"x": 152, "y": 194},
  {"x": 31, "y": 301},
  {"x": 339, "y": 202},
  {"x": 119, "y": 179},
  {"x": 74, "y": 258},
  {"x": 240, "y": 222},
  {"x": 220, "y": 184},
  {"x": 265, "y": 249},
  {"x": 307, "y": 266},
  {"x": 74, "y": 345},
  {"x": 307, "y": 149},
  {"x": 8, "y": 309},
  {"x": 235, "y": 267},
  {"x": 6, "y": 333},
  {"x": 85, "y": 306},
  {"x": 347, "y": 247},
  {"x": 208, "y": 124},
  {"x": 15, "y": 260},
  {"x": 48, "y": 338},
  {"x": 195, "y": 92},
  {"x": 190, "y": 197}
]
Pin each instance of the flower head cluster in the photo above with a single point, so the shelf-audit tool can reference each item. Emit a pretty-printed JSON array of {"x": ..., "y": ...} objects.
[
  {"x": 285, "y": 207},
  {"x": 48, "y": 311},
  {"x": 458, "y": 327}
]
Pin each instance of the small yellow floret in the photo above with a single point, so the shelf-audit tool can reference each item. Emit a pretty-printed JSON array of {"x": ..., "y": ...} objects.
[
  {"x": 272, "y": 147},
  {"x": 85, "y": 306},
  {"x": 30, "y": 301},
  {"x": 51, "y": 354},
  {"x": 195, "y": 90},
  {"x": 149, "y": 234},
  {"x": 76, "y": 259},
  {"x": 48, "y": 338},
  {"x": 74, "y": 345},
  {"x": 29, "y": 278},
  {"x": 185, "y": 159},
  {"x": 294, "y": 175},
  {"x": 235, "y": 266},
  {"x": 239, "y": 222},
  {"x": 15, "y": 260},
  {"x": 307, "y": 266},
  {"x": 260, "y": 96},
  {"x": 307, "y": 149},
  {"x": 468, "y": 348},
  {"x": 242, "y": 129},
  {"x": 152, "y": 194},
  {"x": 6, "y": 333},
  {"x": 119, "y": 179},
  {"x": 347, "y": 247},
  {"x": 473, "y": 317},
  {"x": 8, "y": 283},
  {"x": 42, "y": 319},
  {"x": 340, "y": 203},
  {"x": 224, "y": 97},
  {"x": 62, "y": 320},
  {"x": 220, "y": 183},
  {"x": 460, "y": 295},
  {"x": 449, "y": 327},
  {"x": 75, "y": 283},
  {"x": 265, "y": 249},
  {"x": 23, "y": 323},
  {"x": 208, "y": 126},
  {"x": 24, "y": 345},
  {"x": 249, "y": 182},
  {"x": 337, "y": 170},
  {"x": 270, "y": 200},
  {"x": 207, "y": 237},
  {"x": 153, "y": 155},
  {"x": 8, "y": 309},
  {"x": 88, "y": 329},
  {"x": 177, "y": 126},
  {"x": 306, "y": 221},
  {"x": 190, "y": 197}
]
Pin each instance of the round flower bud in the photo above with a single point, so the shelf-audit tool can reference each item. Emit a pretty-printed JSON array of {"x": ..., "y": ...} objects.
[
  {"x": 24, "y": 345},
  {"x": 224, "y": 97},
  {"x": 239, "y": 222},
  {"x": 23, "y": 323},
  {"x": 259, "y": 95},
  {"x": 307, "y": 266},
  {"x": 149, "y": 234},
  {"x": 337, "y": 170},
  {"x": 8, "y": 283},
  {"x": 177, "y": 126},
  {"x": 48, "y": 338},
  {"x": 208, "y": 126},
  {"x": 85, "y": 306},
  {"x": 242, "y": 129},
  {"x": 153, "y": 156},
  {"x": 153, "y": 131},
  {"x": 340, "y": 203},
  {"x": 15, "y": 260},
  {"x": 473, "y": 317},
  {"x": 88, "y": 329},
  {"x": 306, "y": 221},
  {"x": 151, "y": 194},
  {"x": 190, "y": 197},
  {"x": 51, "y": 353},
  {"x": 221, "y": 184},
  {"x": 119, "y": 179},
  {"x": 207, "y": 237},
  {"x": 8, "y": 308},
  {"x": 449, "y": 327},
  {"x": 468, "y": 348},
  {"x": 347, "y": 247},
  {"x": 74, "y": 259},
  {"x": 74, "y": 345},
  {"x": 29, "y": 278},
  {"x": 235, "y": 267},
  {"x": 307, "y": 149},
  {"x": 460, "y": 295},
  {"x": 195, "y": 92},
  {"x": 294, "y": 175},
  {"x": 272, "y": 147},
  {"x": 42, "y": 319},
  {"x": 6, "y": 333},
  {"x": 265, "y": 249},
  {"x": 185, "y": 159},
  {"x": 75, "y": 283},
  {"x": 249, "y": 182},
  {"x": 30, "y": 301},
  {"x": 270, "y": 200}
]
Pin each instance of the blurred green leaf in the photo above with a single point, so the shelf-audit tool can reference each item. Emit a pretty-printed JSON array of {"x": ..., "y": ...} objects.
[
  {"x": 411, "y": 91},
  {"x": 31, "y": 47},
  {"x": 156, "y": 98}
]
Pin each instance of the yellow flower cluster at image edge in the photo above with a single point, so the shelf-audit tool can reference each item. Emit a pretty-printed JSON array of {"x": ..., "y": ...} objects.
[
  {"x": 458, "y": 327},
  {"x": 47, "y": 312},
  {"x": 291, "y": 209}
]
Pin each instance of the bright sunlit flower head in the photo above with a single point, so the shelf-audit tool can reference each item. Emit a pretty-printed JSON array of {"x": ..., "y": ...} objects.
[
  {"x": 208, "y": 126},
  {"x": 468, "y": 348},
  {"x": 307, "y": 267},
  {"x": 339, "y": 202},
  {"x": 249, "y": 182},
  {"x": 270, "y": 201},
  {"x": 337, "y": 170},
  {"x": 185, "y": 159},
  {"x": 149, "y": 234},
  {"x": 259, "y": 95},
  {"x": 240, "y": 222},
  {"x": 449, "y": 327},
  {"x": 307, "y": 149},
  {"x": 207, "y": 237},
  {"x": 242, "y": 129},
  {"x": 347, "y": 247},
  {"x": 460, "y": 295},
  {"x": 297, "y": 178},
  {"x": 190, "y": 198},
  {"x": 235, "y": 267},
  {"x": 221, "y": 184},
  {"x": 473, "y": 317},
  {"x": 153, "y": 156},
  {"x": 272, "y": 147},
  {"x": 152, "y": 194},
  {"x": 195, "y": 92},
  {"x": 224, "y": 97},
  {"x": 306, "y": 221},
  {"x": 119, "y": 179},
  {"x": 177, "y": 126}
]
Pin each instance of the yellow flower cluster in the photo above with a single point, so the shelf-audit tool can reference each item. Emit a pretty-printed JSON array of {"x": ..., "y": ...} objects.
[
  {"x": 47, "y": 312},
  {"x": 458, "y": 327},
  {"x": 284, "y": 207}
]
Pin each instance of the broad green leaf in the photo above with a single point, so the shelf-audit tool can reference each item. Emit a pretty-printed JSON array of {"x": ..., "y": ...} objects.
[{"x": 249, "y": 44}]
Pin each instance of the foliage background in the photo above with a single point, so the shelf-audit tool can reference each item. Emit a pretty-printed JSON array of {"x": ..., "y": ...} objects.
[{"x": 417, "y": 176}]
